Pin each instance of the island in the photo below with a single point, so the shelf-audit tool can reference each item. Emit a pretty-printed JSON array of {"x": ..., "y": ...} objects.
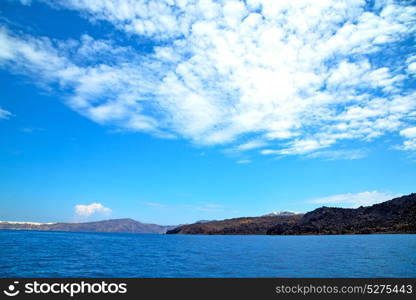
[
  {"x": 395, "y": 216},
  {"x": 114, "y": 225}
]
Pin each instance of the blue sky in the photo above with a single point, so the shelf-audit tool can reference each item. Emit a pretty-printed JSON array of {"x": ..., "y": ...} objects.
[{"x": 176, "y": 111}]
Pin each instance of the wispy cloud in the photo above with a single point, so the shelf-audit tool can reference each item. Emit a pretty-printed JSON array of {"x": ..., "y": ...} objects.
[
  {"x": 4, "y": 114},
  {"x": 82, "y": 210},
  {"x": 31, "y": 129},
  {"x": 410, "y": 135},
  {"x": 153, "y": 204},
  {"x": 351, "y": 200},
  {"x": 200, "y": 207},
  {"x": 244, "y": 161},
  {"x": 254, "y": 144},
  {"x": 206, "y": 207},
  {"x": 221, "y": 71},
  {"x": 339, "y": 154}
]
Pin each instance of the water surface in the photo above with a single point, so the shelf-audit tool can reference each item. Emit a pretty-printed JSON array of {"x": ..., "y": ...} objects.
[{"x": 65, "y": 254}]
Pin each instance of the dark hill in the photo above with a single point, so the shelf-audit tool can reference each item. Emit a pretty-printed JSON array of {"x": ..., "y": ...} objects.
[
  {"x": 394, "y": 216},
  {"x": 248, "y": 225}
]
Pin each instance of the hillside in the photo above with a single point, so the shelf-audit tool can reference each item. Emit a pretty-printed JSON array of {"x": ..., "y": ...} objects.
[
  {"x": 394, "y": 216},
  {"x": 115, "y": 225},
  {"x": 247, "y": 225}
]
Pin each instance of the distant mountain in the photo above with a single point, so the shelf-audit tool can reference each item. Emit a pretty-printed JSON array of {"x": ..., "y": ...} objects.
[
  {"x": 203, "y": 221},
  {"x": 24, "y": 223},
  {"x": 282, "y": 213},
  {"x": 115, "y": 225},
  {"x": 394, "y": 216}
]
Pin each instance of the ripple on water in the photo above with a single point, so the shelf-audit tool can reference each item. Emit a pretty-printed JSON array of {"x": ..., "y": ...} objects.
[{"x": 65, "y": 254}]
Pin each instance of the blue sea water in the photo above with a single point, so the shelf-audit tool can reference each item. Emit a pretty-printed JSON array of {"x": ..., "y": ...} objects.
[{"x": 63, "y": 254}]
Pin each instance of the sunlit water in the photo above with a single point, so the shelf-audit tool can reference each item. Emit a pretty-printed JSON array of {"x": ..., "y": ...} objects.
[{"x": 61, "y": 254}]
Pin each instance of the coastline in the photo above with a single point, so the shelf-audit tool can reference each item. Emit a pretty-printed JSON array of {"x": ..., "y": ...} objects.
[{"x": 396, "y": 216}]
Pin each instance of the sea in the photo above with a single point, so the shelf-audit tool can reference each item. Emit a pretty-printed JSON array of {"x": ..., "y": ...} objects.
[{"x": 74, "y": 254}]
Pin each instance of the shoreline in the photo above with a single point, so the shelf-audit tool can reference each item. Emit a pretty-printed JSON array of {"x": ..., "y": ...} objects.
[{"x": 198, "y": 234}]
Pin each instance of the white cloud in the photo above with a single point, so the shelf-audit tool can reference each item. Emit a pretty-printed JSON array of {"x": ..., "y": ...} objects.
[
  {"x": 296, "y": 76},
  {"x": 353, "y": 200},
  {"x": 409, "y": 132},
  {"x": 4, "y": 114},
  {"x": 91, "y": 209},
  {"x": 410, "y": 135},
  {"x": 412, "y": 67}
]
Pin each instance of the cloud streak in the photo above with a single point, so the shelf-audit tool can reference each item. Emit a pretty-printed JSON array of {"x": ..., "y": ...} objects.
[
  {"x": 4, "y": 114},
  {"x": 290, "y": 77}
]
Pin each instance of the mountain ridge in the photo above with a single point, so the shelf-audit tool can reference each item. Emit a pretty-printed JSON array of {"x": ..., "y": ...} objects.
[
  {"x": 394, "y": 216},
  {"x": 282, "y": 213},
  {"x": 124, "y": 225}
]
